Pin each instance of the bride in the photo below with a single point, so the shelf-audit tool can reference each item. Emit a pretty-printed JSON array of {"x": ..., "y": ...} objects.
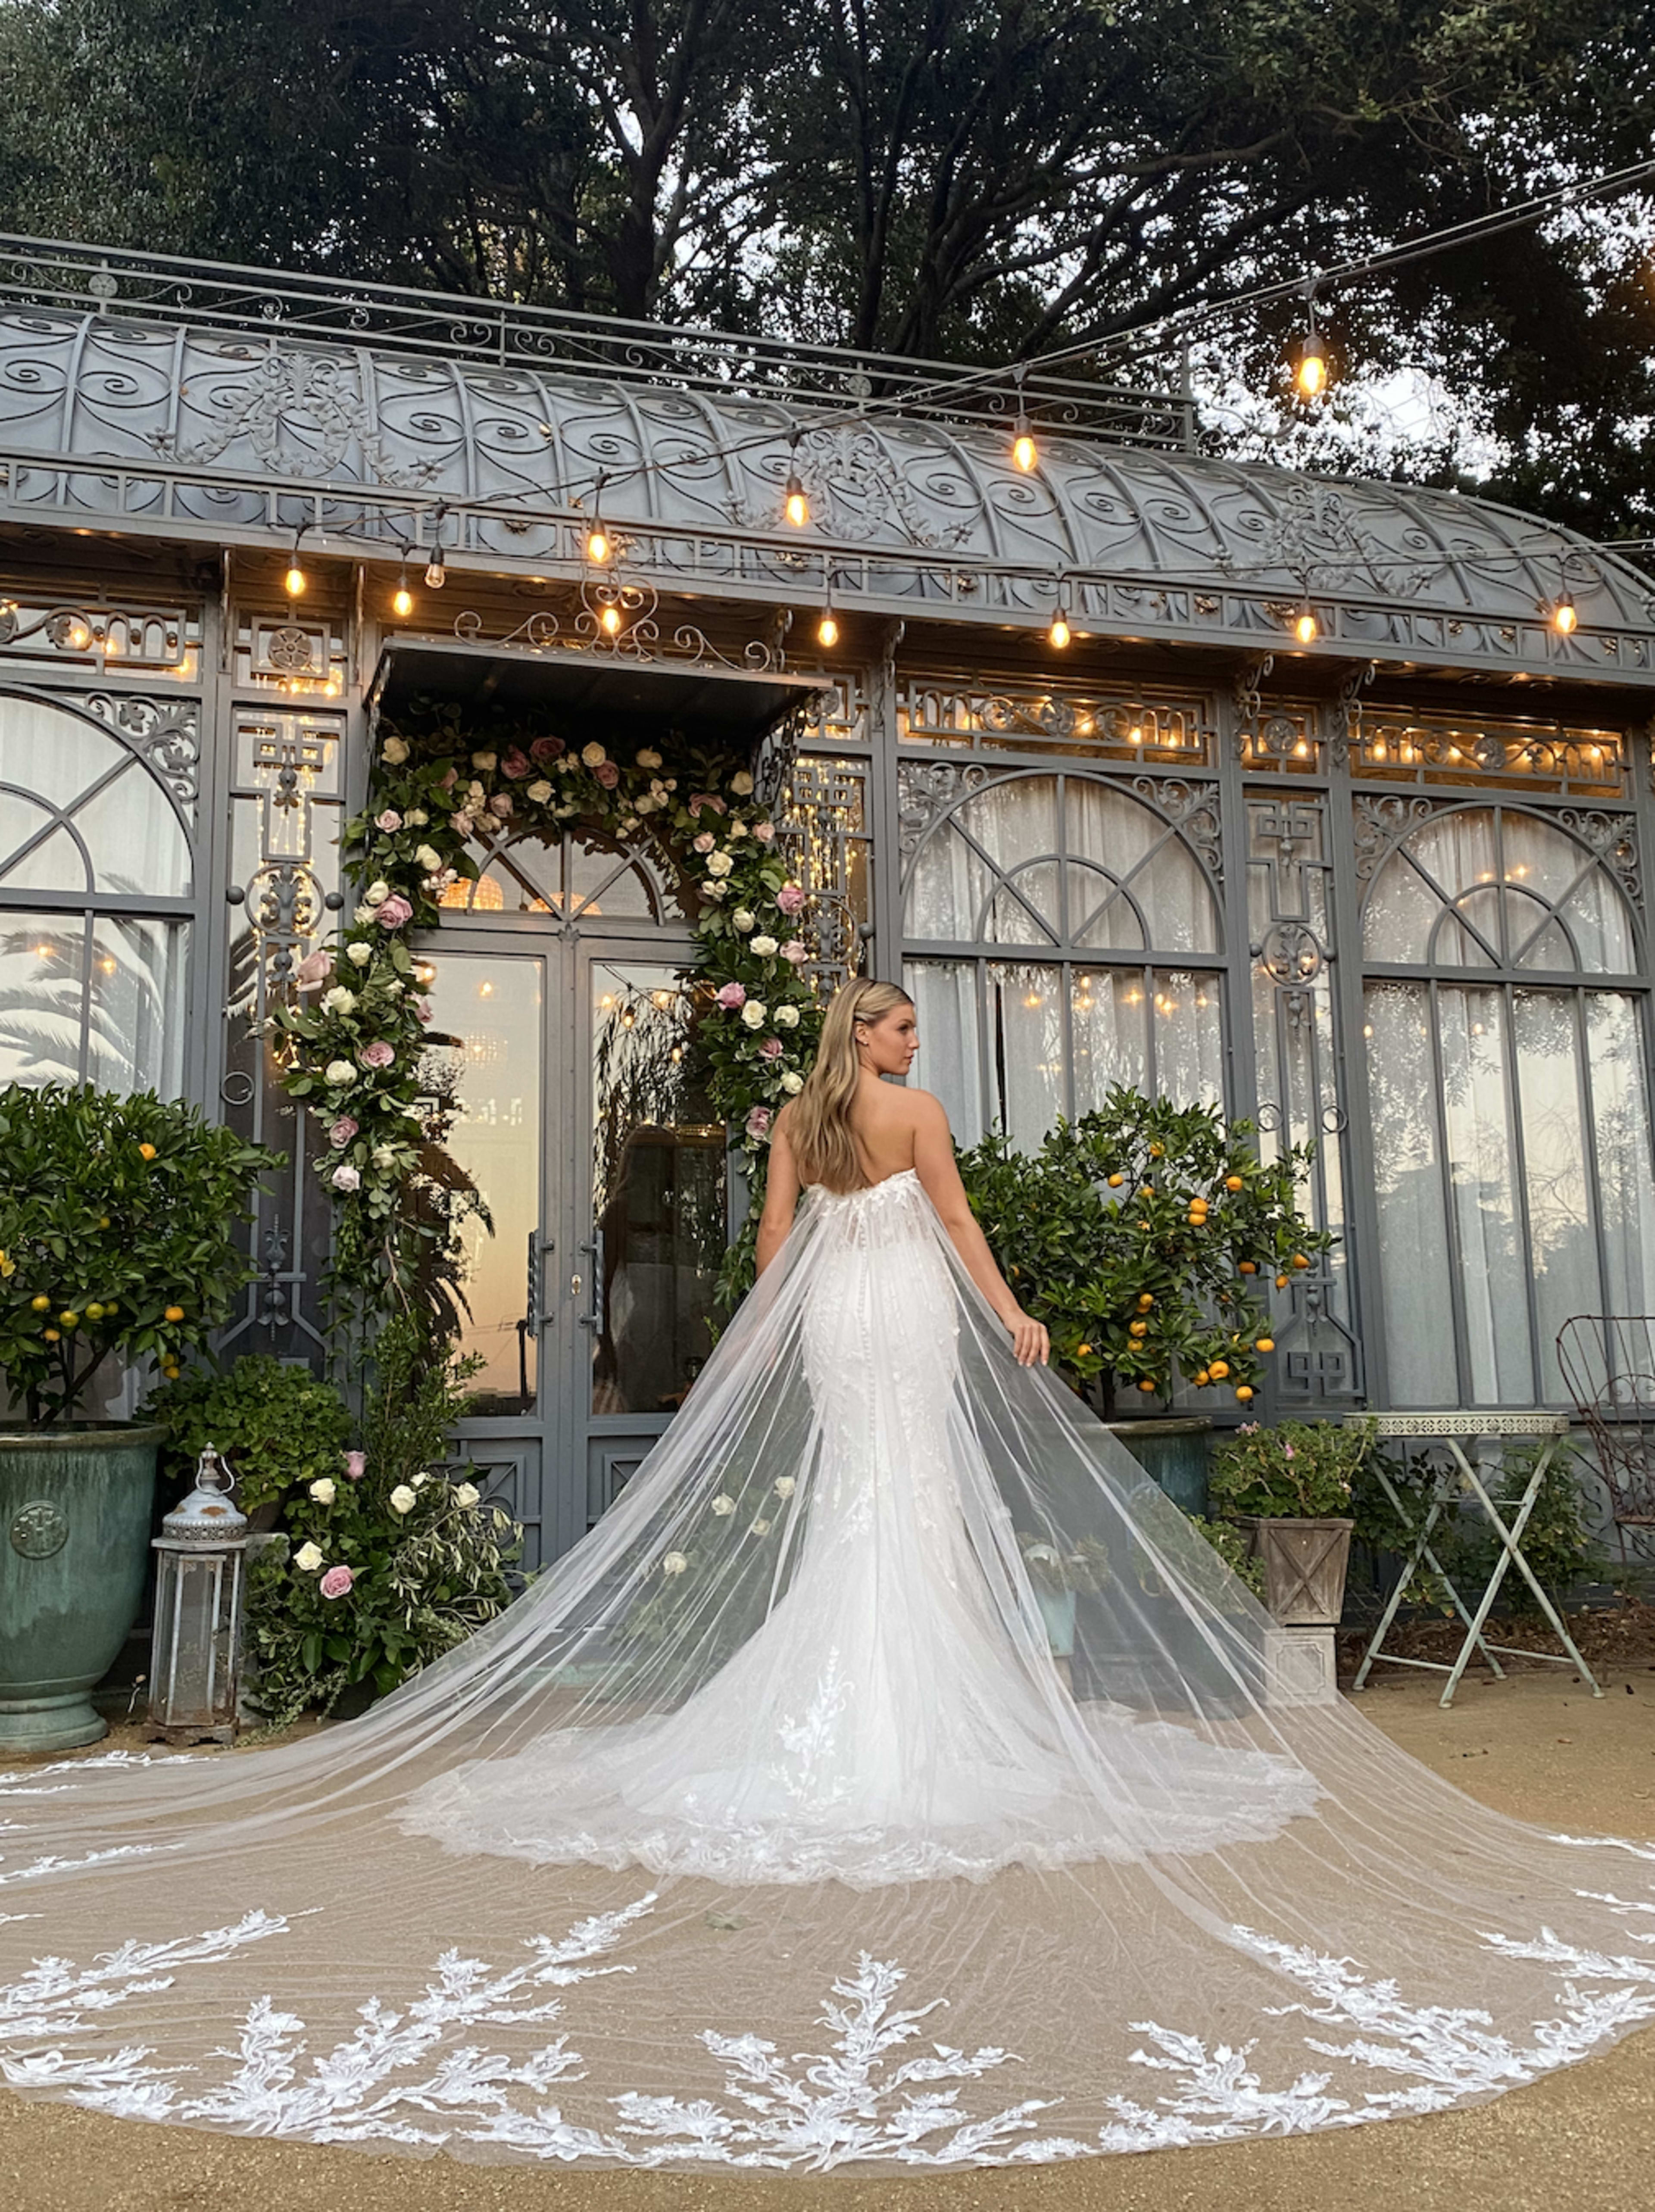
[{"x": 893, "y": 1777}]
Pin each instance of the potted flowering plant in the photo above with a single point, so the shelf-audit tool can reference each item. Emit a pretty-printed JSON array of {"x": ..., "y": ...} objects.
[
  {"x": 1288, "y": 1488},
  {"x": 118, "y": 1249}
]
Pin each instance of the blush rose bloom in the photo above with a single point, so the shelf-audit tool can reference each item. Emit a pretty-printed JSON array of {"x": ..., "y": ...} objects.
[
  {"x": 336, "y": 1581},
  {"x": 501, "y": 807},
  {"x": 697, "y": 799},
  {"x": 390, "y": 821},
  {"x": 342, "y": 1132},
  {"x": 545, "y": 749},
  {"x": 790, "y": 898},
  {"x": 355, "y": 1466},
  {"x": 764, "y": 831},
  {"x": 315, "y": 967},
  {"x": 607, "y": 775},
  {"x": 516, "y": 765},
  {"x": 393, "y": 912},
  {"x": 730, "y": 996},
  {"x": 772, "y": 1048},
  {"x": 377, "y": 1055},
  {"x": 758, "y": 1121},
  {"x": 706, "y": 841},
  {"x": 797, "y": 950},
  {"x": 345, "y": 1178}
]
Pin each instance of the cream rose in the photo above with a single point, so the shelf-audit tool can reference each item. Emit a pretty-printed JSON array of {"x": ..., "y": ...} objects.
[
  {"x": 743, "y": 921},
  {"x": 764, "y": 946},
  {"x": 324, "y": 1491},
  {"x": 674, "y": 1564},
  {"x": 718, "y": 863},
  {"x": 792, "y": 1084},
  {"x": 359, "y": 954},
  {"x": 467, "y": 1494},
  {"x": 755, "y": 1013},
  {"x": 784, "y": 1486},
  {"x": 307, "y": 1558},
  {"x": 430, "y": 859},
  {"x": 741, "y": 783},
  {"x": 593, "y": 756},
  {"x": 402, "y": 1499},
  {"x": 539, "y": 791},
  {"x": 485, "y": 761},
  {"x": 787, "y": 1017},
  {"x": 339, "y": 1000},
  {"x": 377, "y": 892},
  {"x": 395, "y": 750},
  {"x": 723, "y": 1505},
  {"x": 340, "y": 1071}
]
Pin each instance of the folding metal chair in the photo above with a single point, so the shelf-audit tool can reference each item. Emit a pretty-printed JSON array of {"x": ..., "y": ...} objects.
[{"x": 1454, "y": 1480}]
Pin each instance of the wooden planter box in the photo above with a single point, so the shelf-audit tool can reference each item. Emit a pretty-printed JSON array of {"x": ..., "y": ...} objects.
[{"x": 1304, "y": 1564}]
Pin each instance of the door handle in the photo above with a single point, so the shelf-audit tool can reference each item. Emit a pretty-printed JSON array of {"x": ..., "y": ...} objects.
[
  {"x": 538, "y": 1315},
  {"x": 593, "y": 1318}
]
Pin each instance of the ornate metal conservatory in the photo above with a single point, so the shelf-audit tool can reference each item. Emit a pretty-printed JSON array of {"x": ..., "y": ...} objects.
[{"x": 1320, "y": 811}]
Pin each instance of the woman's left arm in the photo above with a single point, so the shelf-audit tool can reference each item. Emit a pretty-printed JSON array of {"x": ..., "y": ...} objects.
[
  {"x": 780, "y": 1194},
  {"x": 933, "y": 1161}
]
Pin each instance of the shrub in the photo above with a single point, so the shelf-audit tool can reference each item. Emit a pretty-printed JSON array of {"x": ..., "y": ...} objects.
[
  {"x": 278, "y": 1427},
  {"x": 118, "y": 1220},
  {"x": 1299, "y": 1469}
]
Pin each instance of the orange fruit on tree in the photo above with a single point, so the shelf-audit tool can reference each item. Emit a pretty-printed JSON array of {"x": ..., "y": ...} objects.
[
  {"x": 1202, "y": 1380},
  {"x": 1218, "y": 1370},
  {"x": 1145, "y": 1384},
  {"x": 146, "y": 1151},
  {"x": 1299, "y": 1261},
  {"x": 1082, "y": 1351},
  {"x": 1244, "y": 1392},
  {"x": 1250, "y": 1266},
  {"x": 1234, "y": 1182},
  {"x": 1116, "y": 1181},
  {"x": 1265, "y": 1344},
  {"x": 41, "y": 1305},
  {"x": 53, "y": 1336},
  {"x": 1155, "y": 1151},
  {"x": 1139, "y": 1329},
  {"x": 94, "y": 1311},
  {"x": 1281, "y": 1282},
  {"x": 1145, "y": 1299},
  {"x": 1146, "y": 1190},
  {"x": 69, "y": 1319},
  {"x": 176, "y": 1313}
]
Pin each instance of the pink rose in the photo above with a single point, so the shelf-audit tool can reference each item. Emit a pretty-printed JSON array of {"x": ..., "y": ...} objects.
[
  {"x": 763, "y": 831},
  {"x": 607, "y": 775},
  {"x": 336, "y": 1581},
  {"x": 790, "y": 898},
  {"x": 547, "y": 749},
  {"x": 461, "y": 824},
  {"x": 772, "y": 1048},
  {"x": 315, "y": 967},
  {"x": 697, "y": 799},
  {"x": 706, "y": 841},
  {"x": 501, "y": 807},
  {"x": 516, "y": 765},
  {"x": 450, "y": 778},
  {"x": 356, "y": 1465},
  {"x": 424, "y": 1010},
  {"x": 797, "y": 950},
  {"x": 342, "y": 1132},
  {"x": 392, "y": 913},
  {"x": 758, "y": 1121},
  {"x": 730, "y": 997},
  {"x": 377, "y": 1055},
  {"x": 389, "y": 821},
  {"x": 346, "y": 1178}
]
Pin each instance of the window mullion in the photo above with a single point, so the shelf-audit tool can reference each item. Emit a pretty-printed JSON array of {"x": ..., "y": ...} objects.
[
  {"x": 1451, "y": 1218},
  {"x": 1520, "y": 1186}
]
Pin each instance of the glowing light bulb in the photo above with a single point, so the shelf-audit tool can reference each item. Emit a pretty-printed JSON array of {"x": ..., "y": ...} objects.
[
  {"x": 1565, "y": 620},
  {"x": 435, "y": 575},
  {"x": 1305, "y": 627},
  {"x": 1311, "y": 371},
  {"x": 827, "y": 630},
  {"x": 402, "y": 602},
  {"x": 794, "y": 505},
  {"x": 80, "y": 636},
  {"x": 610, "y": 620},
  {"x": 295, "y": 579},
  {"x": 598, "y": 545},
  {"x": 1059, "y": 632},
  {"x": 1026, "y": 454}
]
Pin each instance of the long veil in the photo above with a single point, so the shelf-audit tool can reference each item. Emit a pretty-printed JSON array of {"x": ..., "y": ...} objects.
[{"x": 893, "y": 1776}]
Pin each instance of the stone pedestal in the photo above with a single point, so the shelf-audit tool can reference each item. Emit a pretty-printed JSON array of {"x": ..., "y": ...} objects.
[{"x": 1300, "y": 1667}]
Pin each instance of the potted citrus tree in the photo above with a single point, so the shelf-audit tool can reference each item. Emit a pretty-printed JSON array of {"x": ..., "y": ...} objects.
[
  {"x": 117, "y": 1246},
  {"x": 1289, "y": 1490}
]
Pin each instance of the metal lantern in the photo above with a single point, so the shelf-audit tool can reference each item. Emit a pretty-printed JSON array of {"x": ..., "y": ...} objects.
[{"x": 196, "y": 1654}]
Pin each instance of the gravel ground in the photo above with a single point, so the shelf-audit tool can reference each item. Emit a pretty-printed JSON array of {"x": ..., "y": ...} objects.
[{"x": 1536, "y": 1744}]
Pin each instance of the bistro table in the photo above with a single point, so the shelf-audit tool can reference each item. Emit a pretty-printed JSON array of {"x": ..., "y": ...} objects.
[{"x": 1453, "y": 1480}]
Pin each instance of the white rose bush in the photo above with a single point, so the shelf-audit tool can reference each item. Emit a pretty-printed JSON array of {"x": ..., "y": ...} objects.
[{"x": 352, "y": 1034}]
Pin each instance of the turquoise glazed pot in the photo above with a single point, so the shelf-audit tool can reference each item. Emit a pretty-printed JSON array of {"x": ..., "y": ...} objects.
[
  {"x": 75, "y": 1505},
  {"x": 1173, "y": 1453}
]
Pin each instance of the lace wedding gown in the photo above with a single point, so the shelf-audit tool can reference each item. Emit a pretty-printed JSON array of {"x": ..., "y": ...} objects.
[{"x": 767, "y": 1829}]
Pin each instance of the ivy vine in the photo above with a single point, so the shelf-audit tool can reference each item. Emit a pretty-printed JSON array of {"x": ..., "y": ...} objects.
[{"x": 354, "y": 1039}]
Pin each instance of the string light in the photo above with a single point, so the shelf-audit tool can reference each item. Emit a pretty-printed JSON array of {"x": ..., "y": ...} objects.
[
  {"x": 795, "y": 504},
  {"x": 1059, "y": 632},
  {"x": 295, "y": 579},
  {"x": 435, "y": 575},
  {"x": 827, "y": 630},
  {"x": 1305, "y": 628},
  {"x": 1026, "y": 454},
  {"x": 402, "y": 599},
  {"x": 610, "y": 620},
  {"x": 600, "y": 545},
  {"x": 1565, "y": 620}
]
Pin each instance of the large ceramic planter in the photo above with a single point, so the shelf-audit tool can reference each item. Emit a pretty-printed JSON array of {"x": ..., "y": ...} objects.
[
  {"x": 75, "y": 1506},
  {"x": 1173, "y": 1453},
  {"x": 1304, "y": 1564}
]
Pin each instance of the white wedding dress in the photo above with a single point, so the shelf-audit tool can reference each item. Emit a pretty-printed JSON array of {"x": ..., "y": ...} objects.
[{"x": 769, "y": 1830}]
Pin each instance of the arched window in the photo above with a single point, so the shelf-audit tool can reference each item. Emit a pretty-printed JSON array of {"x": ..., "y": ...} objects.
[
  {"x": 1062, "y": 936},
  {"x": 95, "y": 889},
  {"x": 1508, "y": 1083},
  {"x": 584, "y": 879}
]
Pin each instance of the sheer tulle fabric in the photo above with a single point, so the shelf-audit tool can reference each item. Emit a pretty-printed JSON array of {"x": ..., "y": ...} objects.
[{"x": 767, "y": 1830}]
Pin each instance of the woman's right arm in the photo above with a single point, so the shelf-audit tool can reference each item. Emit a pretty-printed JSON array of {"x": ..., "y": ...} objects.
[{"x": 780, "y": 1194}]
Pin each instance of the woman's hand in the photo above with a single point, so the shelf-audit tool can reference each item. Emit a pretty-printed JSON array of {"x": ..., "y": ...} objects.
[{"x": 1029, "y": 1340}]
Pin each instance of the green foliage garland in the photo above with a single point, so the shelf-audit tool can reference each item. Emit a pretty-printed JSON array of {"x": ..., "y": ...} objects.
[{"x": 354, "y": 1039}]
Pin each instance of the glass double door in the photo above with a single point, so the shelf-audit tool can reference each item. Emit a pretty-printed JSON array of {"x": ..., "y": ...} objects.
[{"x": 582, "y": 1119}]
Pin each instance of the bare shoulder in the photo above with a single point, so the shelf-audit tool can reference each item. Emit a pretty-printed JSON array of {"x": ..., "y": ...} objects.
[{"x": 922, "y": 1110}]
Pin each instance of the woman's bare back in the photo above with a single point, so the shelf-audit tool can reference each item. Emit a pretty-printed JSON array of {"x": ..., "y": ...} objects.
[{"x": 883, "y": 1122}]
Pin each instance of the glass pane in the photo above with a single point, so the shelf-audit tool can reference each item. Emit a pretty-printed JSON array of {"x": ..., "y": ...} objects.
[
  {"x": 137, "y": 1005},
  {"x": 1188, "y": 1037},
  {"x": 945, "y": 995},
  {"x": 1025, "y": 911},
  {"x": 1562, "y": 1247},
  {"x": 602, "y": 881},
  {"x": 946, "y": 889},
  {"x": 42, "y": 998},
  {"x": 486, "y": 1021},
  {"x": 1400, "y": 910},
  {"x": 1103, "y": 916},
  {"x": 1413, "y": 1275},
  {"x": 1476, "y": 1123},
  {"x": 38, "y": 852},
  {"x": 1621, "y": 1139},
  {"x": 1544, "y": 944},
  {"x": 134, "y": 840},
  {"x": 1109, "y": 1022},
  {"x": 1480, "y": 943},
  {"x": 1160, "y": 872},
  {"x": 1025, "y": 1017},
  {"x": 659, "y": 1187}
]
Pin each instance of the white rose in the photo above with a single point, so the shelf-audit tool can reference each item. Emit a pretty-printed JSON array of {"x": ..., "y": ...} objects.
[
  {"x": 485, "y": 761},
  {"x": 764, "y": 946},
  {"x": 718, "y": 863},
  {"x": 723, "y": 1505},
  {"x": 402, "y": 1499},
  {"x": 339, "y": 1000},
  {"x": 674, "y": 1564},
  {"x": 359, "y": 955},
  {"x": 395, "y": 750},
  {"x": 629, "y": 822},
  {"x": 714, "y": 891},
  {"x": 787, "y": 1017},
  {"x": 738, "y": 829},
  {"x": 340, "y": 1071},
  {"x": 755, "y": 1013},
  {"x": 594, "y": 757},
  {"x": 428, "y": 859},
  {"x": 784, "y": 1486},
  {"x": 395, "y": 987},
  {"x": 308, "y": 1557},
  {"x": 671, "y": 783},
  {"x": 467, "y": 1494},
  {"x": 323, "y": 1492},
  {"x": 792, "y": 1084},
  {"x": 377, "y": 892},
  {"x": 741, "y": 783},
  {"x": 648, "y": 759},
  {"x": 362, "y": 916},
  {"x": 385, "y": 1156},
  {"x": 421, "y": 1479},
  {"x": 761, "y": 1527},
  {"x": 564, "y": 812},
  {"x": 742, "y": 919},
  {"x": 417, "y": 818},
  {"x": 539, "y": 791}
]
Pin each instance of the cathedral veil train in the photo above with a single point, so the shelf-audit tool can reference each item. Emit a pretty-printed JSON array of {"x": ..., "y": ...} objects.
[{"x": 765, "y": 1832}]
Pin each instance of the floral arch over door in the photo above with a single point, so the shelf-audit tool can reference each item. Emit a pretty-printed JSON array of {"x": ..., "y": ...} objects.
[
  {"x": 1505, "y": 1027},
  {"x": 1062, "y": 933}
]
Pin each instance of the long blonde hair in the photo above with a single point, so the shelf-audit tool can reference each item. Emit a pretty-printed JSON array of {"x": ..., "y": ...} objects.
[{"x": 818, "y": 1122}]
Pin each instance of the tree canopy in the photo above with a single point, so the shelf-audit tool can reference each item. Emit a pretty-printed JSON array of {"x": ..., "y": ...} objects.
[{"x": 937, "y": 178}]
